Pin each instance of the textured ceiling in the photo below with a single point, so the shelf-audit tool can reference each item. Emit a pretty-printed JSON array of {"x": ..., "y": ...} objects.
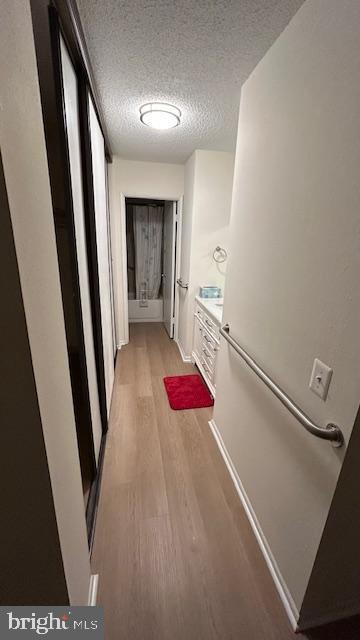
[{"x": 195, "y": 54}]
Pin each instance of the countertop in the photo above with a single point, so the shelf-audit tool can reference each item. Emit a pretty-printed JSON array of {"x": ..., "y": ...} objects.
[{"x": 213, "y": 306}]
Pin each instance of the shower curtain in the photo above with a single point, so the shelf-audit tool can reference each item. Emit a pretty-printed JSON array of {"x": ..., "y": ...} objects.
[{"x": 148, "y": 228}]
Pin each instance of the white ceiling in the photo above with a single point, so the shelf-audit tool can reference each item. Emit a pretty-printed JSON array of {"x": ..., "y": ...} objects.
[{"x": 195, "y": 54}]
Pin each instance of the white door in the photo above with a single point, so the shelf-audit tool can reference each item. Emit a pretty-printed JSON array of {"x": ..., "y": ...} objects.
[
  {"x": 73, "y": 134},
  {"x": 169, "y": 266},
  {"x": 102, "y": 241},
  {"x": 110, "y": 262}
]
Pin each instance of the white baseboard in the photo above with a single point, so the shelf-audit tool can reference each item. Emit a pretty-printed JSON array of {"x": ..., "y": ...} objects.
[
  {"x": 93, "y": 589},
  {"x": 285, "y": 596},
  {"x": 184, "y": 357},
  {"x": 121, "y": 344}
]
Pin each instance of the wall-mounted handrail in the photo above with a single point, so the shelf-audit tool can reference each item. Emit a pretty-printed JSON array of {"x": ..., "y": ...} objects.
[
  {"x": 181, "y": 284},
  {"x": 331, "y": 432}
]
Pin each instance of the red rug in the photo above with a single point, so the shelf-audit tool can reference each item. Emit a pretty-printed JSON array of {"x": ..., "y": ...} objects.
[{"x": 187, "y": 392}]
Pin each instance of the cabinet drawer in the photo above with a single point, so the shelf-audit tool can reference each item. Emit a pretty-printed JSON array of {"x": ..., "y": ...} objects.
[
  {"x": 198, "y": 338},
  {"x": 209, "y": 342},
  {"x": 208, "y": 357},
  {"x": 209, "y": 323},
  {"x": 211, "y": 326},
  {"x": 209, "y": 372}
]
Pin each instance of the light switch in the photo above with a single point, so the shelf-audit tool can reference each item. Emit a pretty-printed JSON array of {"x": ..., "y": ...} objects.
[{"x": 320, "y": 378}]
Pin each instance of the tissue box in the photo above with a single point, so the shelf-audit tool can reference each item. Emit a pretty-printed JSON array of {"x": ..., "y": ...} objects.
[{"x": 210, "y": 292}]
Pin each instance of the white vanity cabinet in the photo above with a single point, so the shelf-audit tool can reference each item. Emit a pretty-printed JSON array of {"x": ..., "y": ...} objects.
[{"x": 207, "y": 320}]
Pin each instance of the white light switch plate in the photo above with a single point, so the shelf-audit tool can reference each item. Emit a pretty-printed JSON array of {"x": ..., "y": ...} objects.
[{"x": 320, "y": 379}]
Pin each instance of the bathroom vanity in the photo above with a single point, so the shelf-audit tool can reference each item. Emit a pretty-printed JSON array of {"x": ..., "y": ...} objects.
[{"x": 206, "y": 339}]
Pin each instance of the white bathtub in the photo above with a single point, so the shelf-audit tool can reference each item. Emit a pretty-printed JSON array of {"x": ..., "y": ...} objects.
[{"x": 152, "y": 313}]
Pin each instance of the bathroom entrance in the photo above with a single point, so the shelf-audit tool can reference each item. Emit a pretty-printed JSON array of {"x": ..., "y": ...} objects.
[{"x": 151, "y": 243}]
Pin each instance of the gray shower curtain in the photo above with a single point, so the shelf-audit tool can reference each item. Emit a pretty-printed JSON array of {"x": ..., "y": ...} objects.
[{"x": 148, "y": 230}]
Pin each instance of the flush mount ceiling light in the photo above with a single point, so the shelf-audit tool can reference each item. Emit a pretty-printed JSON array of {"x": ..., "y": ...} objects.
[{"x": 159, "y": 115}]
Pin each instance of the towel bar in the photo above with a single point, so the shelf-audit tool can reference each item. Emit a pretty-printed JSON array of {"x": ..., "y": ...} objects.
[
  {"x": 181, "y": 284},
  {"x": 331, "y": 432}
]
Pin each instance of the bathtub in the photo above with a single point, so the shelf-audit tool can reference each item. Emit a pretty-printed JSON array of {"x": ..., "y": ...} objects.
[{"x": 152, "y": 313}]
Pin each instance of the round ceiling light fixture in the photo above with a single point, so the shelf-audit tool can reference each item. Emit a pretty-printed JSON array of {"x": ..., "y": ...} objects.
[{"x": 159, "y": 115}]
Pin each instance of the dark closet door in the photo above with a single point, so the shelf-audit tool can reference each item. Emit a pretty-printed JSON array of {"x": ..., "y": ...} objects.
[
  {"x": 46, "y": 30},
  {"x": 96, "y": 172},
  {"x": 72, "y": 122},
  {"x": 65, "y": 78}
]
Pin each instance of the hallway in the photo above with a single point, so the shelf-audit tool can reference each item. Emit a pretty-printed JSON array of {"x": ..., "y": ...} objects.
[
  {"x": 174, "y": 550},
  {"x": 225, "y": 212}
]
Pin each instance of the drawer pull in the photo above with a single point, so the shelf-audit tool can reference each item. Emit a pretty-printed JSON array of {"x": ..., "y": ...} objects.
[
  {"x": 208, "y": 355},
  {"x": 209, "y": 324}
]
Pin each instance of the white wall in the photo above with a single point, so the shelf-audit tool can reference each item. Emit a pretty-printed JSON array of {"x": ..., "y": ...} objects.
[
  {"x": 184, "y": 330},
  {"x": 27, "y": 180},
  {"x": 136, "y": 179},
  {"x": 206, "y": 217},
  {"x": 292, "y": 289}
]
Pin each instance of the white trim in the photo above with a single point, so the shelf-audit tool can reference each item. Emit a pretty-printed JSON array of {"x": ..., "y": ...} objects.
[
  {"x": 93, "y": 589},
  {"x": 122, "y": 343},
  {"x": 184, "y": 357},
  {"x": 125, "y": 306},
  {"x": 284, "y": 593},
  {"x": 169, "y": 216},
  {"x": 179, "y": 217},
  {"x": 111, "y": 271}
]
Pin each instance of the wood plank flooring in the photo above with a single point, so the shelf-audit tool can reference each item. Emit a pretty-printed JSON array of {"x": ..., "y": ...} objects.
[{"x": 175, "y": 553}]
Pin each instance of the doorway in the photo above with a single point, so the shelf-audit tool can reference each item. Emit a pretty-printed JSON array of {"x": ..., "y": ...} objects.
[{"x": 151, "y": 251}]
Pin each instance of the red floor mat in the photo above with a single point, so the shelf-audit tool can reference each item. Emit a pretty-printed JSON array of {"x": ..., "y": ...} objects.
[{"x": 187, "y": 392}]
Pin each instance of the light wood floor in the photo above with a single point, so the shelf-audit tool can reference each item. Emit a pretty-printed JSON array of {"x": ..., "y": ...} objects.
[{"x": 175, "y": 553}]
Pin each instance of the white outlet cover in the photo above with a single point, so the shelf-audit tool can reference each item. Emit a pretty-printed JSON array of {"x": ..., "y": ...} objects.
[{"x": 320, "y": 379}]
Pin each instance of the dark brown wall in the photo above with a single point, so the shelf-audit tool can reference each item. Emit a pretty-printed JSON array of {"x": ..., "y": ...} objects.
[
  {"x": 31, "y": 569},
  {"x": 334, "y": 585}
]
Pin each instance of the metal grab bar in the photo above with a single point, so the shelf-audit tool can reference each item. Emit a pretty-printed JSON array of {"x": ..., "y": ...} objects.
[
  {"x": 181, "y": 284},
  {"x": 331, "y": 432}
]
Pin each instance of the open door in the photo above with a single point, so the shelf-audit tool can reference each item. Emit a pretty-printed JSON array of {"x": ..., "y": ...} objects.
[{"x": 169, "y": 266}]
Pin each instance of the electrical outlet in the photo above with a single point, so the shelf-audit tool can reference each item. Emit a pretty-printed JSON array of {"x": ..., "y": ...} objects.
[{"x": 320, "y": 379}]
